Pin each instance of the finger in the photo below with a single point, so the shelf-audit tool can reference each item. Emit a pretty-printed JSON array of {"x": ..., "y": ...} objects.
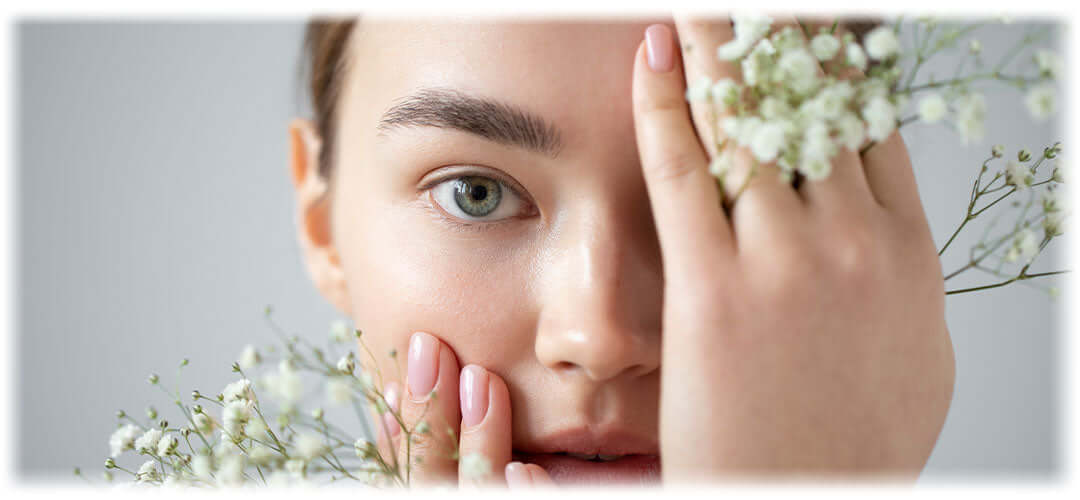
[
  {"x": 837, "y": 186},
  {"x": 485, "y": 427},
  {"x": 888, "y": 168},
  {"x": 692, "y": 228},
  {"x": 521, "y": 476},
  {"x": 431, "y": 413},
  {"x": 699, "y": 39},
  {"x": 387, "y": 428}
]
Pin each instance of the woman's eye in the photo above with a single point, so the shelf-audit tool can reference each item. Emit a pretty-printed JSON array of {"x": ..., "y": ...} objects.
[{"x": 477, "y": 198}]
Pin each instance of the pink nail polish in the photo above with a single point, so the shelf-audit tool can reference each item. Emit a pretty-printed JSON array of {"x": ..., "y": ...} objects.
[
  {"x": 423, "y": 365},
  {"x": 474, "y": 395},
  {"x": 660, "y": 48},
  {"x": 517, "y": 475}
]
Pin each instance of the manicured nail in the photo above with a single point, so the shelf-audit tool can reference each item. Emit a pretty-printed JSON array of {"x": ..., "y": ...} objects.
[
  {"x": 517, "y": 475},
  {"x": 474, "y": 395},
  {"x": 423, "y": 365},
  {"x": 660, "y": 48},
  {"x": 392, "y": 393}
]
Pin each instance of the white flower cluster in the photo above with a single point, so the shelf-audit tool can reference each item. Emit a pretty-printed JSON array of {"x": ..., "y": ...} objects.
[
  {"x": 803, "y": 97},
  {"x": 788, "y": 109}
]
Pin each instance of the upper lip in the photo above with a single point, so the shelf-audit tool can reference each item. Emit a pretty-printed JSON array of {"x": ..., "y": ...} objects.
[{"x": 583, "y": 440}]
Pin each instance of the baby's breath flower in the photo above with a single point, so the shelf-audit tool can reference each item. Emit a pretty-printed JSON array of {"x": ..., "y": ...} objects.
[
  {"x": 231, "y": 470},
  {"x": 260, "y": 454},
  {"x": 147, "y": 472},
  {"x": 1024, "y": 247},
  {"x": 338, "y": 390},
  {"x": 153, "y": 379},
  {"x": 817, "y": 150},
  {"x": 881, "y": 43},
  {"x": 880, "y": 118},
  {"x": 698, "y": 90},
  {"x": 166, "y": 445},
  {"x": 1058, "y": 175},
  {"x": 721, "y": 163},
  {"x": 474, "y": 466},
  {"x": 799, "y": 70},
  {"x": 970, "y": 116},
  {"x": 310, "y": 446},
  {"x": 1049, "y": 64},
  {"x": 724, "y": 93},
  {"x": 1023, "y": 155},
  {"x": 1041, "y": 101},
  {"x": 235, "y": 415},
  {"x": 975, "y": 46},
  {"x": 830, "y": 102},
  {"x": 932, "y": 108},
  {"x": 339, "y": 331},
  {"x": 855, "y": 56},
  {"x": 1018, "y": 175},
  {"x": 767, "y": 141},
  {"x": 122, "y": 439},
  {"x": 1052, "y": 224},
  {"x": 824, "y": 46},
  {"x": 202, "y": 466},
  {"x": 148, "y": 441},
  {"x": 748, "y": 28},
  {"x": 202, "y": 422},
  {"x": 851, "y": 131},
  {"x": 998, "y": 150},
  {"x": 249, "y": 358},
  {"x": 255, "y": 427},
  {"x": 241, "y": 389},
  {"x": 363, "y": 448},
  {"x": 346, "y": 364},
  {"x": 757, "y": 66},
  {"x": 1051, "y": 201}
]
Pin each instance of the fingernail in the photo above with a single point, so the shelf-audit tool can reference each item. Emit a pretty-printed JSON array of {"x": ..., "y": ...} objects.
[
  {"x": 517, "y": 475},
  {"x": 474, "y": 395},
  {"x": 659, "y": 48},
  {"x": 392, "y": 394},
  {"x": 423, "y": 365}
]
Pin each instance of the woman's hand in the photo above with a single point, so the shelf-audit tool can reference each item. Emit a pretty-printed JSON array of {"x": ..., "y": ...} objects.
[
  {"x": 804, "y": 333},
  {"x": 466, "y": 409}
]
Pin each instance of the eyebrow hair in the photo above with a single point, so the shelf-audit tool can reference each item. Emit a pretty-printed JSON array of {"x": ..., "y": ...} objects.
[{"x": 493, "y": 120}]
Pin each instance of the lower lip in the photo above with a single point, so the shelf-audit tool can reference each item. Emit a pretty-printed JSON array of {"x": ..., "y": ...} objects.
[{"x": 564, "y": 469}]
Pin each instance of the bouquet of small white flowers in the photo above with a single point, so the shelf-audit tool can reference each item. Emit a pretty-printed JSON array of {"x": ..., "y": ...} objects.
[{"x": 803, "y": 96}]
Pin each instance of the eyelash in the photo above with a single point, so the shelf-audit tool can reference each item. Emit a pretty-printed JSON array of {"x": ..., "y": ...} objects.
[{"x": 528, "y": 207}]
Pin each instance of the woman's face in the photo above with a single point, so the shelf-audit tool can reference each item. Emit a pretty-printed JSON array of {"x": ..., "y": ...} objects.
[{"x": 487, "y": 190}]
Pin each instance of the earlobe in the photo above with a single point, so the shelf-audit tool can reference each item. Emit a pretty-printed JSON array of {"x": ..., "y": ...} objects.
[{"x": 313, "y": 215}]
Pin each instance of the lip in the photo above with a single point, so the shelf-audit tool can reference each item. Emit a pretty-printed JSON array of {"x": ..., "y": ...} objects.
[{"x": 639, "y": 464}]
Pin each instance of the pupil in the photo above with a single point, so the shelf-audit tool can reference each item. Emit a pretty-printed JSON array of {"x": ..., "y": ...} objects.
[{"x": 478, "y": 192}]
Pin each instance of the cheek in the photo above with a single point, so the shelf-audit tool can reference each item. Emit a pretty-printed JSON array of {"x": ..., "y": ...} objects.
[{"x": 406, "y": 274}]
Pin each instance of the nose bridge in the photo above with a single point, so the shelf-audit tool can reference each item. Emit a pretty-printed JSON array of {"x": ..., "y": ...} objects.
[{"x": 601, "y": 315}]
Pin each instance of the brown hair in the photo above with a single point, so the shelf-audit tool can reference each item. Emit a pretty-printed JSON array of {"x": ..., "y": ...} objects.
[{"x": 325, "y": 47}]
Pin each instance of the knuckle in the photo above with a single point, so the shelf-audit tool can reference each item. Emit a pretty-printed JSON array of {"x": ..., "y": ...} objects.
[
  {"x": 854, "y": 255},
  {"x": 669, "y": 165}
]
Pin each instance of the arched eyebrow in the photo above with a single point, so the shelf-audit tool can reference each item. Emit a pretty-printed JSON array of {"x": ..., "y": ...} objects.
[{"x": 493, "y": 120}]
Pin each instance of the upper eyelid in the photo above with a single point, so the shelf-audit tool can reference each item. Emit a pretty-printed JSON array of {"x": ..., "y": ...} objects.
[{"x": 477, "y": 171}]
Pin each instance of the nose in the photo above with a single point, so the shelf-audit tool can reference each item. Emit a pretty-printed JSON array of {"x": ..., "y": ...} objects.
[{"x": 601, "y": 313}]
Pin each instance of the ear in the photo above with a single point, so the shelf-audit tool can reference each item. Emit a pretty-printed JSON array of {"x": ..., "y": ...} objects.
[{"x": 313, "y": 215}]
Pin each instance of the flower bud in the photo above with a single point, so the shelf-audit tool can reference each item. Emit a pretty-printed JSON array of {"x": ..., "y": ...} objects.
[
  {"x": 151, "y": 413},
  {"x": 975, "y": 47},
  {"x": 1023, "y": 155},
  {"x": 393, "y": 353},
  {"x": 121, "y": 414},
  {"x": 236, "y": 367},
  {"x": 317, "y": 414},
  {"x": 1058, "y": 175},
  {"x": 197, "y": 409},
  {"x": 195, "y": 395},
  {"x": 184, "y": 362},
  {"x": 185, "y": 432},
  {"x": 110, "y": 463},
  {"x": 998, "y": 150},
  {"x": 164, "y": 424},
  {"x": 153, "y": 379},
  {"x": 423, "y": 427},
  {"x": 358, "y": 333}
]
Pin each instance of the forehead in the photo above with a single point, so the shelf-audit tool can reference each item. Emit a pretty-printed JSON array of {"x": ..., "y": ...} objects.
[{"x": 569, "y": 72}]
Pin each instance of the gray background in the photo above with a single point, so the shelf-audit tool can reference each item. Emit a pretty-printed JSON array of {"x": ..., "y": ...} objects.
[{"x": 155, "y": 220}]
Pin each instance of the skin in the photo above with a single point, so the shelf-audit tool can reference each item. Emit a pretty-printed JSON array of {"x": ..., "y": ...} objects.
[{"x": 803, "y": 329}]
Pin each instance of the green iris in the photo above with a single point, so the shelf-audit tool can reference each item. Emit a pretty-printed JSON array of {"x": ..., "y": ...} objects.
[{"x": 477, "y": 196}]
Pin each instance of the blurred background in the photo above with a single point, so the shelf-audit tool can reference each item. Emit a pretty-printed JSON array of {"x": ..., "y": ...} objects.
[{"x": 155, "y": 222}]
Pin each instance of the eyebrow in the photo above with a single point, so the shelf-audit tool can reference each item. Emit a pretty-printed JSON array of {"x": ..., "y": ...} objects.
[{"x": 493, "y": 120}]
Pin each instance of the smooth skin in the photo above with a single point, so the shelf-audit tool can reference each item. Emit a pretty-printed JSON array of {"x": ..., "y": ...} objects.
[{"x": 822, "y": 352}]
